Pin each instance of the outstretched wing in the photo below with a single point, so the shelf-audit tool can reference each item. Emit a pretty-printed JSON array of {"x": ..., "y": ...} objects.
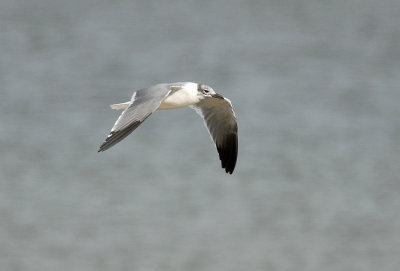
[
  {"x": 220, "y": 120},
  {"x": 143, "y": 103}
]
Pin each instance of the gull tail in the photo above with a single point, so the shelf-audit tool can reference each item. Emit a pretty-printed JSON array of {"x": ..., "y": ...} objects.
[{"x": 120, "y": 106}]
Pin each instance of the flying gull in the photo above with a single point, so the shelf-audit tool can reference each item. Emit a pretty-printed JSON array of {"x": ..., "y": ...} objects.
[{"x": 216, "y": 111}]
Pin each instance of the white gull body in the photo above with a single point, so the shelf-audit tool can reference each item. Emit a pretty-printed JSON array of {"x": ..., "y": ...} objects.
[{"x": 216, "y": 111}]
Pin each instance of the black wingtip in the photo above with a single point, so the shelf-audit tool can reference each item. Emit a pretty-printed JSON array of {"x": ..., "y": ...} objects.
[
  {"x": 101, "y": 149},
  {"x": 110, "y": 141},
  {"x": 228, "y": 153},
  {"x": 116, "y": 136}
]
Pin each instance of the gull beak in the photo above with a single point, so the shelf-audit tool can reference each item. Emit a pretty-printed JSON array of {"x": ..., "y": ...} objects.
[{"x": 216, "y": 95}]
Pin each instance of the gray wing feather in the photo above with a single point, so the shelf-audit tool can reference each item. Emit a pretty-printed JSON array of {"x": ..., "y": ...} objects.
[
  {"x": 144, "y": 102},
  {"x": 220, "y": 120}
]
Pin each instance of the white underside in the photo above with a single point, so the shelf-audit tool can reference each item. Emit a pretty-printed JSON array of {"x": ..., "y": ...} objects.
[{"x": 185, "y": 96}]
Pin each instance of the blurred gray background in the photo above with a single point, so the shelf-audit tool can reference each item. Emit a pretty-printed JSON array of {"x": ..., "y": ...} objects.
[{"x": 316, "y": 89}]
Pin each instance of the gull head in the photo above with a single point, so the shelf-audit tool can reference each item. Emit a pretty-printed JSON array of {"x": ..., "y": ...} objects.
[{"x": 205, "y": 91}]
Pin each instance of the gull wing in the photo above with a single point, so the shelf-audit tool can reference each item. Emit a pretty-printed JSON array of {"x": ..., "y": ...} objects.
[
  {"x": 220, "y": 120},
  {"x": 144, "y": 102}
]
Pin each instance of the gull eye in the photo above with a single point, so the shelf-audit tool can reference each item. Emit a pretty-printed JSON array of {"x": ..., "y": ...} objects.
[{"x": 204, "y": 89}]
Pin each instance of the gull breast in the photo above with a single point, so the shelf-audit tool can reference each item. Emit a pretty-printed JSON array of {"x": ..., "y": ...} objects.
[{"x": 185, "y": 96}]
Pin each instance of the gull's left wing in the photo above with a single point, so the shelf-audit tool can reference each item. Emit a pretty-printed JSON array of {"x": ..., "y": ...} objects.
[{"x": 220, "y": 120}]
